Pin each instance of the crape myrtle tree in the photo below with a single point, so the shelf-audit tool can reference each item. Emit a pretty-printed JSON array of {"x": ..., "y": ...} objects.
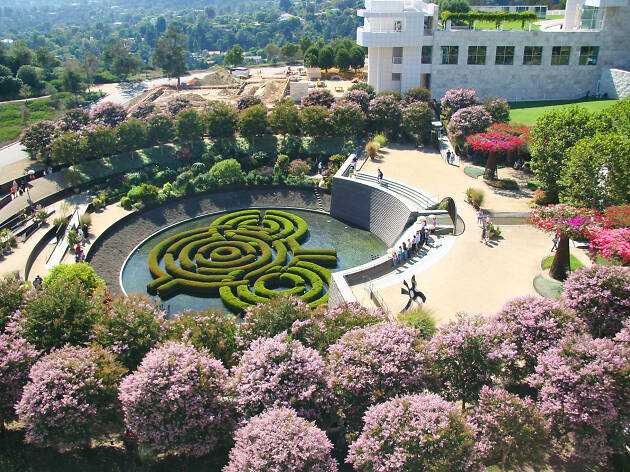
[
  {"x": 456, "y": 99},
  {"x": 37, "y": 138},
  {"x": 415, "y": 433},
  {"x": 385, "y": 114},
  {"x": 177, "y": 400},
  {"x": 280, "y": 440},
  {"x": 347, "y": 119},
  {"x": 570, "y": 223},
  {"x": 12, "y": 292},
  {"x": 70, "y": 397},
  {"x": 467, "y": 121}
]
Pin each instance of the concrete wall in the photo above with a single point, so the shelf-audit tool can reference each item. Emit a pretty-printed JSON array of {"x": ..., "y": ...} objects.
[
  {"x": 616, "y": 83},
  {"x": 369, "y": 207}
]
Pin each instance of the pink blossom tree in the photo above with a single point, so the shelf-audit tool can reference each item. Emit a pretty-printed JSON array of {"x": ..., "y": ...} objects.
[
  {"x": 178, "y": 401},
  {"x": 109, "y": 114},
  {"x": 527, "y": 327},
  {"x": 463, "y": 357},
  {"x": 494, "y": 145},
  {"x": 467, "y": 121},
  {"x": 17, "y": 356},
  {"x": 37, "y": 138},
  {"x": 12, "y": 292},
  {"x": 456, "y": 99},
  {"x": 570, "y": 223},
  {"x": 276, "y": 372},
  {"x": 613, "y": 244},
  {"x": 70, "y": 397},
  {"x": 600, "y": 296},
  {"x": 511, "y": 431},
  {"x": 415, "y": 433},
  {"x": 279, "y": 440},
  {"x": 584, "y": 391},
  {"x": 321, "y": 97},
  {"x": 369, "y": 365}
]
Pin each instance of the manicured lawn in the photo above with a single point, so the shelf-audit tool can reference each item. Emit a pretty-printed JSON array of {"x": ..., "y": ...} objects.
[
  {"x": 574, "y": 265},
  {"x": 528, "y": 112}
]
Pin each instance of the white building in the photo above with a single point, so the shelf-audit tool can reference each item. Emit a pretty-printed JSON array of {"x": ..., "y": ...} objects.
[{"x": 586, "y": 52}]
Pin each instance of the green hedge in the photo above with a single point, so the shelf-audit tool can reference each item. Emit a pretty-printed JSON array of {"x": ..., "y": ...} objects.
[
  {"x": 266, "y": 283},
  {"x": 497, "y": 17},
  {"x": 231, "y": 302},
  {"x": 314, "y": 280}
]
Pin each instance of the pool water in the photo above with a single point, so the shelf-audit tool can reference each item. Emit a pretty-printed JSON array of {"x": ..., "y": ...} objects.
[{"x": 354, "y": 247}]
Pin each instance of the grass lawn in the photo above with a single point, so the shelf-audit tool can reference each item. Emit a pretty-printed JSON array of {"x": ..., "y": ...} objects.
[
  {"x": 574, "y": 265},
  {"x": 528, "y": 112},
  {"x": 507, "y": 25}
]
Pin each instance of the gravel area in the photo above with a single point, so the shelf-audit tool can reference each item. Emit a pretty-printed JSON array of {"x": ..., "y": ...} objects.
[{"x": 111, "y": 250}]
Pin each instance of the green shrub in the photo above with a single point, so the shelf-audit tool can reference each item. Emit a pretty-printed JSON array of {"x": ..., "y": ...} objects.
[
  {"x": 507, "y": 184},
  {"x": 73, "y": 238},
  {"x": 85, "y": 219},
  {"x": 380, "y": 139},
  {"x": 574, "y": 264},
  {"x": 41, "y": 216},
  {"x": 475, "y": 196},
  {"x": 227, "y": 172},
  {"x": 126, "y": 202},
  {"x": 144, "y": 193},
  {"x": 299, "y": 168},
  {"x": 534, "y": 185},
  {"x": 81, "y": 273},
  {"x": 232, "y": 302},
  {"x": 420, "y": 319},
  {"x": 60, "y": 221}
]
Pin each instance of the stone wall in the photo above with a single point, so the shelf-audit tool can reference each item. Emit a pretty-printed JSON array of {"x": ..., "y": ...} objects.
[
  {"x": 369, "y": 207},
  {"x": 616, "y": 83}
]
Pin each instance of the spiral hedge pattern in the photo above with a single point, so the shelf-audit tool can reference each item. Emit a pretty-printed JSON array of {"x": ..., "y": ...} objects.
[{"x": 238, "y": 252}]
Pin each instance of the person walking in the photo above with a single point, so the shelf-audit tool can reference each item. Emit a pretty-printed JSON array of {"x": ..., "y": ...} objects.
[
  {"x": 448, "y": 156},
  {"x": 556, "y": 240},
  {"x": 379, "y": 177},
  {"x": 394, "y": 259},
  {"x": 484, "y": 230},
  {"x": 479, "y": 217}
]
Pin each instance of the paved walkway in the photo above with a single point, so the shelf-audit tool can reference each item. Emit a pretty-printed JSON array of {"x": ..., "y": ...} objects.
[
  {"x": 40, "y": 188},
  {"x": 468, "y": 275}
]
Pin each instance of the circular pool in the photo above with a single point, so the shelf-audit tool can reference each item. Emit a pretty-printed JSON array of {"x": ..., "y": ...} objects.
[{"x": 187, "y": 264}]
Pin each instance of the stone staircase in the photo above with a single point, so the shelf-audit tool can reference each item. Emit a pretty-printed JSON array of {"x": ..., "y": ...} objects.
[
  {"x": 318, "y": 196},
  {"x": 419, "y": 199}
]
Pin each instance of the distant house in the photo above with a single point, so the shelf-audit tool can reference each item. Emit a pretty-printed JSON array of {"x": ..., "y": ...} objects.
[{"x": 313, "y": 73}]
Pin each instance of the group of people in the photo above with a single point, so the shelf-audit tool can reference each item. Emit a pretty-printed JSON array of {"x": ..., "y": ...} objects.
[
  {"x": 79, "y": 255},
  {"x": 450, "y": 157},
  {"x": 18, "y": 189},
  {"x": 413, "y": 246},
  {"x": 485, "y": 226},
  {"x": 82, "y": 232}
]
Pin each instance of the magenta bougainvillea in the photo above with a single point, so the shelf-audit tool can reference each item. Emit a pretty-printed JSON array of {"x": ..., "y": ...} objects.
[
  {"x": 527, "y": 327},
  {"x": 513, "y": 129},
  {"x": 600, "y": 296},
  {"x": 371, "y": 364},
  {"x": 17, "y": 356},
  {"x": 584, "y": 391},
  {"x": 494, "y": 142},
  {"x": 276, "y": 372},
  {"x": 415, "y": 433},
  {"x": 280, "y": 441},
  {"x": 571, "y": 221},
  {"x": 70, "y": 397},
  {"x": 177, "y": 400},
  {"x": 613, "y": 244},
  {"x": 511, "y": 431}
]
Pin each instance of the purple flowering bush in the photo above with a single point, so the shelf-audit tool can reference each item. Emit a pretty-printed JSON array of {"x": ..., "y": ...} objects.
[
  {"x": 467, "y": 121},
  {"x": 528, "y": 326},
  {"x": 280, "y": 441},
  {"x": 359, "y": 97},
  {"x": 318, "y": 97},
  {"x": 144, "y": 110},
  {"x": 369, "y": 365},
  {"x": 510, "y": 431},
  {"x": 109, "y": 114},
  {"x": 415, "y": 433},
  {"x": 177, "y": 104},
  {"x": 385, "y": 114},
  {"x": 177, "y": 400},
  {"x": 209, "y": 329},
  {"x": 276, "y": 372},
  {"x": 70, "y": 397},
  {"x": 131, "y": 329},
  {"x": 456, "y": 99},
  {"x": 584, "y": 391},
  {"x": 463, "y": 357},
  {"x": 600, "y": 296},
  {"x": 17, "y": 356}
]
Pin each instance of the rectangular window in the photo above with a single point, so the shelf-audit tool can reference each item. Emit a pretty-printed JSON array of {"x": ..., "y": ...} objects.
[
  {"x": 398, "y": 25},
  {"x": 532, "y": 55},
  {"x": 449, "y": 54},
  {"x": 396, "y": 77},
  {"x": 397, "y": 55},
  {"x": 427, "y": 54},
  {"x": 476, "y": 55},
  {"x": 560, "y": 55},
  {"x": 592, "y": 17},
  {"x": 428, "y": 23},
  {"x": 504, "y": 56},
  {"x": 588, "y": 55}
]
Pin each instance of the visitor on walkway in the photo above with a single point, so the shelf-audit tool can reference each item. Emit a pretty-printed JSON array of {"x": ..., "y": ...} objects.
[
  {"x": 394, "y": 259},
  {"x": 404, "y": 250},
  {"x": 479, "y": 217},
  {"x": 379, "y": 177},
  {"x": 37, "y": 282},
  {"x": 448, "y": 156},
  {"x": 483, "y": 233},
  {"x": 426, "y": 236},
  {"x": 400, "y": 255},
  {"x": 556, "y": 240}
]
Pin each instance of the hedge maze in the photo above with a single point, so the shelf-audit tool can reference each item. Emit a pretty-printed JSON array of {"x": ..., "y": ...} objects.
[{"x": 238, "y": 252}]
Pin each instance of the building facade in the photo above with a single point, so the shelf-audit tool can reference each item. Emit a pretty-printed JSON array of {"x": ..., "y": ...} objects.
[{"x": 567, "y": 58}]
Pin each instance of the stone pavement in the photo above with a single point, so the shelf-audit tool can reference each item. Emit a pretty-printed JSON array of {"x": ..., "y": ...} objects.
[
  {"x": 40, "y": 188},
  {"x": 470, "y": 276}
]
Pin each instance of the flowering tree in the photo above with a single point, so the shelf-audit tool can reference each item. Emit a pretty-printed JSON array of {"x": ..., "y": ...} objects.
[
  {"x": 144, "y": 110},
  {"x": 247, "y": 101},
  {"x": 17, "y": 356},
  {"x": 131, "y": 328},
  {"x": 584, "y": 390},
  {"x": 570, "y": 223},
  {"x": 275, "y": 372},
  {"x": 74, "y": 120},
  {"x": 176, "y": 104},
  {"x": 109, "y": 114},
  {"x": 456, "y": 99},
  {"x": 71, "y": 397},
  {"x": 318, "y": 97},
  {"x": 513, "y": 129},
  {"x": 416, "y": 120},
  {"x": 415, "y": 433},
  {"x": 210, "y": 330},
  {"x": 371, "y": 364},
  {"x": 613, "y": 244},
  {"x": 600, "y": 296},
  {"x": 467, "y": 121},
  {"x": 37, "y": 138},
  {"x": 347, "y": 119},
  {"x": 360, "y": 97},
  {"x": 279, "y": 440},
  {"x": 177, "y": 400},
  {"x": 511, "y": 431},
  {"x": 385, "y": 114},
  {"x": 527, "y": 327},
  {"x": 494, "y": 145},
  {"x": 463, "y": 357}
]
